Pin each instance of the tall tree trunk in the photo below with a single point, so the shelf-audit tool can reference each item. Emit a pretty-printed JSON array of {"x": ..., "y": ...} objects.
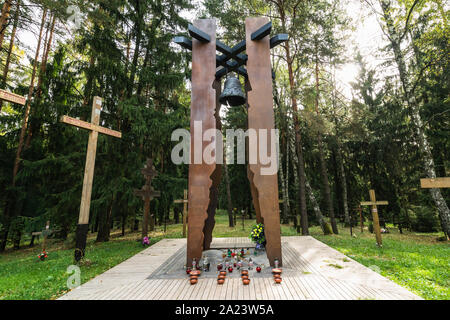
[
  {"x": 323, "y": 166},
  {"x": 326, "y": 229},
  {"x": 138, "y": 39},
  {"x": 299, "y": 149},
  {"x": 28, "y": 104},
  {"x": 340, "y": 159},
  {"x": 4, "y": 20},
  {"x": 338, "y": 208},
  {"x": 45, "y": 55},
  {"x": 343, "y": 181},
  {"x": 48, "y": 43},
  {"x": 229, "y": 203},
  {"x": 10, "y": 50},
  {"x": 414, "y": 109},
  {"x": 284, "y": 178},
  {"x": 124, "y": 223},
  {"x": 298, "y": 140},
  {"x": 104, "y": 224},
  {"x": 285, "y": 213},
  {"x": 8, "y": 212}
]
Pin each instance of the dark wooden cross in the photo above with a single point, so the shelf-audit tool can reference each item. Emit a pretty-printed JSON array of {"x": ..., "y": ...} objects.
[
  {"x": 95, "y": 129},
  {"x": 361, "y": 220},
  {"x": 147, "y": 193},
  {"x": 376, "y": 220},
  {"x": 185, "y": 202}
]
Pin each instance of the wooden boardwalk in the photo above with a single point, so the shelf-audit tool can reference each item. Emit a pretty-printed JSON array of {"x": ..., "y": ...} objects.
[{"x": 312, "y": 271}]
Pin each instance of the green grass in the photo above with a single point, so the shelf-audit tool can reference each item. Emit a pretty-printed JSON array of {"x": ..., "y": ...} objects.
[
  {"x": 24, "y": 277},
  {"x": 415, "y": 261}
]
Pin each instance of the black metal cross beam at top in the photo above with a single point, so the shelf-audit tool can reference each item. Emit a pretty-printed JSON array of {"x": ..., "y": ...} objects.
[{"x": 229, "y": 53}]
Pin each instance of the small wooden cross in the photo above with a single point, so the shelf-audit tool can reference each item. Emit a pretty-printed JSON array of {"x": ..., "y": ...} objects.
[
  {"x": 436, "y": 183},
  {"x": 148, "y": 194},
  {"x": 95, "y": 129},
  {"x": 376, "y": 220},
  {"x": 359, "y": 209},
  {"x": 12, "y": 97},
  {"x": 185, "y": 202},
  {"x": 46, "y": 233}
]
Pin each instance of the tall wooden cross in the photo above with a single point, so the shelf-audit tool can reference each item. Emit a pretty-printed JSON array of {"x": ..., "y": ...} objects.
[
  {"x": 95, "y": 129},
  {"x": 436, "y": 183},
  {"x": 376, "y": 220},
  {"x": 185, "y": 202},
  {"x": 12, "y": 97},
  {"x": 148, "y": 194}
]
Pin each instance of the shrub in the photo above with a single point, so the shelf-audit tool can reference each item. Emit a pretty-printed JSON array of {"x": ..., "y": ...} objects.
[
  {"x": 327, "y": 229},
  {"x": 423, "y": 219},
  {"x": 70, "y": 242}
]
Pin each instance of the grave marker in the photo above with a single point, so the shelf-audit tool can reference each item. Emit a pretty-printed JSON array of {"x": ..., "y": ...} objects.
[
  {"x": 148, "y": 194},
  {"x": 359, "y": 209},
  {"x": 376, "y": 220}
]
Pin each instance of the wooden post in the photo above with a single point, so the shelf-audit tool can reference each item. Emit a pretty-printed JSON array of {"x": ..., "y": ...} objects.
[
  {"x": 376, "y": 220},
  {"x": 359, "y": 209},
  {"x": 95, "y": 129},
  {"x": 45, "y": 233},
  {"x": 185, "y": 202}
]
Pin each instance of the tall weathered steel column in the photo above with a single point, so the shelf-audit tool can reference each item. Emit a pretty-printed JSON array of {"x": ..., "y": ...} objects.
[
  {"x": 261, "y": 116},
  {"x": 216, "y": 177},
  {"x": 203, "y": 105},
  {"x": 253, "y": 190}
]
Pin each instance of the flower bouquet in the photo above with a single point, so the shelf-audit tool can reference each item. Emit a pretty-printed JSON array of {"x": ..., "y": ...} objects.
[
  {"x": 146, "y": 241},
  {"x": 257, "y": 235},
  {"x": 43, "y": 256}
]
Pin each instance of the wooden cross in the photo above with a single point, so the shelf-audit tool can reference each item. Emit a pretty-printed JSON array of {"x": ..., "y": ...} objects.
[
  {"x": 185, "y": 202},
  {"x": 148, "y": 194},
  {"x": 436, "y": 183},
  {"x": 12, "y": 97},
  {"x": 95, "y": 129},
  {"x": 376, "y": 220},
  {"x": 46, "y": 233},
  {"x": 359, "y": 209}
]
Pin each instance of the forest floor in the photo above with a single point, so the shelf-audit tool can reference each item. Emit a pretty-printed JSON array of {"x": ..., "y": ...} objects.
[{"x": 415, "y": 261}]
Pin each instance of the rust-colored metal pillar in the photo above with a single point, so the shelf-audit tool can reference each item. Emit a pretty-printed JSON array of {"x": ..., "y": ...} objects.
[
  {"x": 253, "y": 190},
  {"x": 203, "y": 105},
  {"x": 261, "y": 116},
  {"x": 216, "y": 177}
]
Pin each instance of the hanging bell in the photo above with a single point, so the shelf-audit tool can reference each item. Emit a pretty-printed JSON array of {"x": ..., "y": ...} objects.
[{"x": 232, "y": 93}]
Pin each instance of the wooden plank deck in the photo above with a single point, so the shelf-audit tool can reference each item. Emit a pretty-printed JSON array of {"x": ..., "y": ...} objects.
[{"x": 309, "y": 273}]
